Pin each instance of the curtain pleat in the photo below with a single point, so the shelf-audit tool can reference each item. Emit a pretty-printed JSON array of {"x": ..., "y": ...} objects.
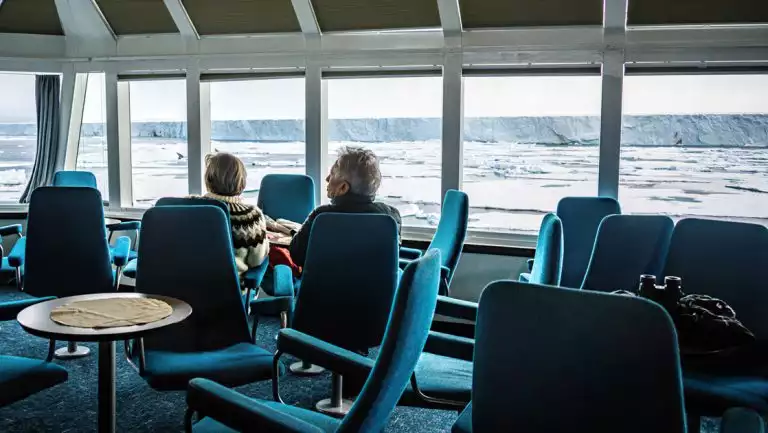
[{"x": 48, "y": 106}]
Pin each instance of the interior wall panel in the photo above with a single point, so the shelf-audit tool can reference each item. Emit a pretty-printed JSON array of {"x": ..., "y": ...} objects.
[
  {"x": 358, "y": 15},
  {"x": 223, "y": 17},
  {"x": 137, "y": 17},
  {"x": 30, "y": 16},
  {"x": 660, "y": 12},
  {"x": 530, "y": 13}
]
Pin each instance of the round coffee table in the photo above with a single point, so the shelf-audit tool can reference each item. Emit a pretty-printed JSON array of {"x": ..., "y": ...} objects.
[{"x": 36, "y": 320}]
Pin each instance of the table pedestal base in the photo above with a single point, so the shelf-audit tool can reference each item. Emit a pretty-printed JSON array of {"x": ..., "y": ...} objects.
[
  {"x": 72, "y": 351},
  {"x": 107, "y": 387}
]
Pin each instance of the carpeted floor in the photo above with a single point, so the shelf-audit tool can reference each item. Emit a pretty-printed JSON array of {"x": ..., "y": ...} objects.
[{"x": 71, "y": 406}]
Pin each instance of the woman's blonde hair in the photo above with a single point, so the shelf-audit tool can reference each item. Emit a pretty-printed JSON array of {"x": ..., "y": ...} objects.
[{"x": 224, "y": 174}]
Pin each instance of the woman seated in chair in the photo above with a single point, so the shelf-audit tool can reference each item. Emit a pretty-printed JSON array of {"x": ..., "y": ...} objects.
[{"x": 225, "y": 178}]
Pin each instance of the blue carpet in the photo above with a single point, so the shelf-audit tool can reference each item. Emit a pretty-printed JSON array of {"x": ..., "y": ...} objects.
[{"x": 71, "y": 406}]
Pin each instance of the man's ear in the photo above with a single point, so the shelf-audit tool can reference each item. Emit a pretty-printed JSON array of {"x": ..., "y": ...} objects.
[{"x": 344, "y": 188}]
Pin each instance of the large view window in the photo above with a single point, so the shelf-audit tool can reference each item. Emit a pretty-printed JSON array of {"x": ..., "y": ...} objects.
[
  {"x": 92, "y": 150},
  {"x": 528, "y": 142},
  {"x": 695, "y": 145},
  {"x": 399, "y": 119},
  {"x": 18, "y": 134},
  {"x": 262, "y": 122},
  {"x": 158, "y": 140}
]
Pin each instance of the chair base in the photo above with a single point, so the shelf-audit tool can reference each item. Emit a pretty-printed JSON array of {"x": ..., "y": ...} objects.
[
  {"x": 327, "y": 407},
  {"x": 72, "y": 351},
  {"x": 302, "y": 368}
]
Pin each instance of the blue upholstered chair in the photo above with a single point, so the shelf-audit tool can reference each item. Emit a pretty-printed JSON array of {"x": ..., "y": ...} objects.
[
  {"x": 66, "y": 237},
  {"x": 449, "y": 236},
  {"x": 347, "y": 288},
  {"x": 576, "y": 361},
  {"x": 387, "y": 376},
  {"x": 727, "y": 260},
  {"x": 580, "y": 217},
  {"x": 290, "y": 197},
  {"x": 287, "y": 196},
  {"x": 548, "y": 261},
  {"x": 626, "y": 247},
  {"x": 252, "y": 277},
  {"x": 88, "y": 180},
  {"x": 22, "y": 377},
  {"x": 84, "y": 179},
  {"x": 214, "y": 342}
]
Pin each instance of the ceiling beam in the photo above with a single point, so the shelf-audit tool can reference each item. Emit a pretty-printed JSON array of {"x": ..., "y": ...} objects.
[
  {"x": 305, "y": 13},
  {"x": 450, "y": 17},
  {"x": 181, "y": 18},
  {"x": 82, "y": 19}
]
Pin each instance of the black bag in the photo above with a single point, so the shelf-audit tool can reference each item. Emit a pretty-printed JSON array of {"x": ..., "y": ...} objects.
[{"x": 706, "y": 324}]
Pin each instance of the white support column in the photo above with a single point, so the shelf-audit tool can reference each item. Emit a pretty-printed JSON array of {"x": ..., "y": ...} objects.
[
  {"x": 316, "y": 127},
  {"x": 181, "y": 18},
  {"x": 118, "y": 102},
  {"x": 72, "y": 103},
  {"x": 198, "y": 128},
  {"x": 614, "y": 40},
  {"x": 453, "y": 123},
  {"x": 450, "y": 17},
  {"x": 305, "y": 14}
]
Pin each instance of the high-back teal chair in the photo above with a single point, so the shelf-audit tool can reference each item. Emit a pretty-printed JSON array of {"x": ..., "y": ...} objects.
[
  {"x": 727, "y": 260},
  {"x": 407, "y": 328},
  {"x": 347, "y": 288},
  {"x": 548, "y": 261},
  {"x": 449, "y": 236},
  {"x": 252, "y": 277},
  {"x": 87, "y": 179},
  {"x": 581, "y": 216},
  {"x": 214, "y": 342},
  {"x": 560, "y": 360},
  {"x": 75, "y": 178},
  {"x": 626, "y": 247},
  {"x": 287, "y": 196},
  {"x": 65, "y": 252}
]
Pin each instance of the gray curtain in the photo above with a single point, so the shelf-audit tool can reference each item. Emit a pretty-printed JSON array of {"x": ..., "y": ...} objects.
[{"x": 47, "y": 101}]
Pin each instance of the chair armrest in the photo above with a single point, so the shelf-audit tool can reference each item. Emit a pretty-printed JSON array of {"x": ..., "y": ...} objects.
[
  {"x": 741, "y": 420},
  {"x": 9, "y": 310},
  {"x": 16, "y": 257},
  {"x": 282, "y": 281},
  {"x": 403, "y": 263},
  {"x": 456, "y": 308},
  {"x": 254, "y": 276},
  {"x": 239, "y": 412},
  {"x": 449, "y": 345},
  {"x": 529, "y": 262},
  {"x": 410, "y": 253},
  {"x": 319, "y": 352},
  {"x": 121, "y": 251},
  {"x": 13, "y": 229}
]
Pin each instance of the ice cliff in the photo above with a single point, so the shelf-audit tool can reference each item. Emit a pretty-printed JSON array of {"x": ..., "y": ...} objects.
[{"x": 666, "y": 130}]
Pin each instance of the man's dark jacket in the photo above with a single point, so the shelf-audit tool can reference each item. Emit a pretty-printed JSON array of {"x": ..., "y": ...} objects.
[{"x": 348, "y": 203}]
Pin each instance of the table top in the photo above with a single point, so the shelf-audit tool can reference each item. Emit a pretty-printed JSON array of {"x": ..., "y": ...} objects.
[{"x": 36, "y": 319}]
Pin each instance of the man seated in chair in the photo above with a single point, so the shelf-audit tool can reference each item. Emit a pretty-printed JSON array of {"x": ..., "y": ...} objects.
[{"x": 353, "y": 181}]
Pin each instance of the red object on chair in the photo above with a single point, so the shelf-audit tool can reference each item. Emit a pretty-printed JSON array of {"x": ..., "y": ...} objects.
[{"x": 281, "y": 256}]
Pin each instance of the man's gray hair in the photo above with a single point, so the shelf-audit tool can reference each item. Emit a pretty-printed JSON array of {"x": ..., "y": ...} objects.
[{"x": 360, "y": 168}]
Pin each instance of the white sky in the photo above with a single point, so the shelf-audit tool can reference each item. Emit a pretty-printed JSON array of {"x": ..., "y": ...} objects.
[{"x": 165, "y": 100}]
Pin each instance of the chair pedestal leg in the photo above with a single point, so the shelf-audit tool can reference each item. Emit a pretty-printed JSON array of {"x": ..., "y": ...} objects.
[
  {"x": 72, "y": 351},
  {"x": 335, "y": 406},
  {"x": 304, "y": 368}
]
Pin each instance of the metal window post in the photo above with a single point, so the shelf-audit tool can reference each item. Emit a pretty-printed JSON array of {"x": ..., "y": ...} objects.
[{"x": 315, "y": 127}]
